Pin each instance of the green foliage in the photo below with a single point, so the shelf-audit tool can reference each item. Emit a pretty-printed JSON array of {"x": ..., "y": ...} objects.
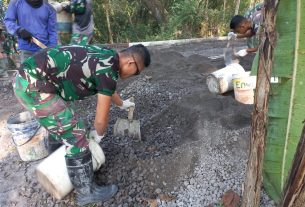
[
  {"x": 131, "y": 21},
  {"x": 185, "y": 20}
]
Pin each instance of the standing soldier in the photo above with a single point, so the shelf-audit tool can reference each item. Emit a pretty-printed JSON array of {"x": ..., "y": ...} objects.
[
  {"x": 7, "y": 50},
  {"x": 8, "y": 42},
  {"x": 52, "y": 77},
  {"x": 83, "y": 25}
]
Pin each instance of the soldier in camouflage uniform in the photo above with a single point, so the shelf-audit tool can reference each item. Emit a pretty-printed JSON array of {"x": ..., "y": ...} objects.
[
  {"x": 52, "y": 77},
  {"x": 8, "y": 42},
  {"x": 83, "y": 25},
  {"x": 247, "y": 26},
  {"x": 7, "y": 52}
]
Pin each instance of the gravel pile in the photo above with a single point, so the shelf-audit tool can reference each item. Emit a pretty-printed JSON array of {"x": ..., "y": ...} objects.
[{"x": 194, "y": 144}]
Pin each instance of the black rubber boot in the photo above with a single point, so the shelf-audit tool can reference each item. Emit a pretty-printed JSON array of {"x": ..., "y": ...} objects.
[
  {"x": 53, "y": 145},
  {"x": 80, "y": 170}
]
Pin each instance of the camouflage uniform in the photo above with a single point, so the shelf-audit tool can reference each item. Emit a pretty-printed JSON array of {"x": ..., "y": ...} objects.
[
  {"x": 8, "y": 43},
  {"x": 8, "y": 52},
  {"x": 83, "y": 25},
  {"x": 255, "y": 15},
  {"x": 7, "y": 40},
  {"x": 53, "y": 76},
  {"x": 80, "y": 39},
  {"x": 2, "y": 11}
]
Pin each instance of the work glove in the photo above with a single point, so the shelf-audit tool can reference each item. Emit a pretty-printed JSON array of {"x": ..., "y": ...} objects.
[
  {"x": 232, "y": 35},
  {"x": 127, "y": 104},
  {"x": 24, "y": 34},
  {"x": 242, "y": 53},
  {"x": 93, "y": 135}
]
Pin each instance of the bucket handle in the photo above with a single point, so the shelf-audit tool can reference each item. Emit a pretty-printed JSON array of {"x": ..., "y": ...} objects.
[{"x": 28, "y": 139}]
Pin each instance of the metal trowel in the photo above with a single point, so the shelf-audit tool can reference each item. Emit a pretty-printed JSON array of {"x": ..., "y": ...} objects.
[{"x": 128, "y": 127}]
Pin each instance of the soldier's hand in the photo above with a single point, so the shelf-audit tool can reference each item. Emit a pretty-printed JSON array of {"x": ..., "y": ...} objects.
[
  {"x": 24, "y": 34},
  {"x": 127, "y": 104}
]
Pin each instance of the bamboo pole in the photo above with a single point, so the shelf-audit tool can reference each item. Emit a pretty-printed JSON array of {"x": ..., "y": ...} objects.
[{"x": 251, "y": 196}]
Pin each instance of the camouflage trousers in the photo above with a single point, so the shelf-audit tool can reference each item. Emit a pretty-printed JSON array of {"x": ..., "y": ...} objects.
[
  {"x": 81, "y": 39},
  {"x": 55, "y": 115}
]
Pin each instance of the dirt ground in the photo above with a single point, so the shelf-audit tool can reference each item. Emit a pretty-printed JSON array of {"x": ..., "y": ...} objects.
[{"x": 184, "y": 130}]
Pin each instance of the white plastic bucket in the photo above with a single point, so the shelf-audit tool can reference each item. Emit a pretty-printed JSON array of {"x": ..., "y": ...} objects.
[
  {"x": 244, "y": 86},
  {"x": 220, "y": 81},
  {"x": 52, "y": 173},
  {"x": 29, "y": 138}
]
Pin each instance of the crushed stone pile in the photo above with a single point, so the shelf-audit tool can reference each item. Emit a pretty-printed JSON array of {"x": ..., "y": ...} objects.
[{"x": 194, "y": 144}]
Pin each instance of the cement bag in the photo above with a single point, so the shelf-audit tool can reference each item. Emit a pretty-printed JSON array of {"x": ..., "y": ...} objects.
[{"x": 221, "y": 81}]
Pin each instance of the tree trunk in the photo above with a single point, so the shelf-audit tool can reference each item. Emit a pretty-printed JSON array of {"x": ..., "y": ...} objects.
[
  {"x": 107, "y": 12},
  {"x": 251, "y": 196},
  {"x": 294, "y": 191},
  {"x": 224, "y": 9},
  {"x": 252, "y": 3},
  {"x": 237, "y": 7},
  {"x": 157, "y": 10}
]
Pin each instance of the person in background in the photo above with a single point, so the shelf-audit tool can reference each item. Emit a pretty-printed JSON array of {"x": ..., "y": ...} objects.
[
  {"x": 247, "y": 26},
  {"x": 31, "y": 18},
  {"x": 83, "y": 25},
  {"x": 52, "y": 77},
  {"x": 7, "y": 50},
  {"x": 8, "y": 42}
]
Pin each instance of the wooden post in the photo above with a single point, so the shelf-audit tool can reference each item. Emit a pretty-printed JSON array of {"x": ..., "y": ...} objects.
[
  {"x": 294, "y": 191},
  {"x": 251, "y": 196}
]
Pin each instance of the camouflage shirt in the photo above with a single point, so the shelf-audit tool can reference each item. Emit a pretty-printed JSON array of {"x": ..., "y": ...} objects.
[
  {"x": 73, "y": 72},
  {"x": 7, "y": 43},
  {"x": 78, "y": 6},
  {"x": 255, "y": 15}
]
